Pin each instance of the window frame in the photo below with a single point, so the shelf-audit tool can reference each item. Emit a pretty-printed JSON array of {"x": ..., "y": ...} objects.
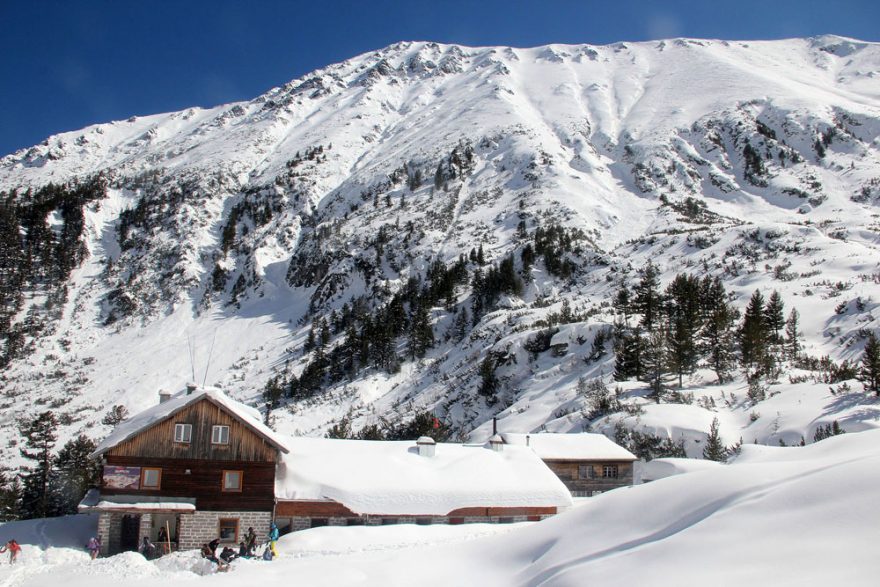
[
  {"x": 228, "y": 521},
  {"x": 223, "y": 487},
  {"x": 186, "y": 428},
  {"x": 158, "y": 484},
  {"x": 610, "y": 472},
  {"x": 219, "y": 427}
]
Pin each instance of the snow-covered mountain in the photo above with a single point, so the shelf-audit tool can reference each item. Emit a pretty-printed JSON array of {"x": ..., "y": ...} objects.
[{"x": 216, "y": 244}]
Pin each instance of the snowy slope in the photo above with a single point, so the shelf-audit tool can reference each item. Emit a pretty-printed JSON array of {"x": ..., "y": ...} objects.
[{"x": 590, "y": 138}]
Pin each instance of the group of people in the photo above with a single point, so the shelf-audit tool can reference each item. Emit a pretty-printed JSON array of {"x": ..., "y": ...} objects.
[{"x": 247, "y": 548}]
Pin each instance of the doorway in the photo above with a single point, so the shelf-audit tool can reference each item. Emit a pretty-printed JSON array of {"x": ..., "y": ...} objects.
[{"x": 130, "y": 528}]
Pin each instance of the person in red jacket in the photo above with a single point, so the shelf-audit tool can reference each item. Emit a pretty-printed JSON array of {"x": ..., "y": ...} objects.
[{"x": 13, "y": 548}]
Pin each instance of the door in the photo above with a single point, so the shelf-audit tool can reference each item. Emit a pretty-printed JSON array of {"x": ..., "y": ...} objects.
[{"x": 129, "y": 538}]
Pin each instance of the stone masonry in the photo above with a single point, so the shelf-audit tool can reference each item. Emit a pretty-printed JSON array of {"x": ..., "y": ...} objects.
[{"x": 201, "y": 527}]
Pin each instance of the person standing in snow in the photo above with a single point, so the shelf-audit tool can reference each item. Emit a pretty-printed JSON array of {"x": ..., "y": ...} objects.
[
  {"x": 148, "y": 549},
  {"x": 273, "y": 538},
  {"x": 94, "y": 546},
  {"x": 13, "y": 548},
  {"x": 250, "y": 541}
]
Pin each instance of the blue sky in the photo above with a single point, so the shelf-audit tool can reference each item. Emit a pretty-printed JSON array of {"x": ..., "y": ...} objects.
[{"x": 68, "y": 64}]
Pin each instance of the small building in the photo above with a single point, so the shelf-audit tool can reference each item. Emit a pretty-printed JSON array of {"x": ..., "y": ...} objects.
[
  {"x": 588, "y": 464},
  {"x": 356, "y": 482},
  {"x": 198, "y": 464}
]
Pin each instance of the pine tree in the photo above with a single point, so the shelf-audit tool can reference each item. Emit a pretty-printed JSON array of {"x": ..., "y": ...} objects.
[
  {"x": 628, "y": 351},
  {"x": 717, "y": 334},
  {"x": 683, "y": 310},
  {"x": 870, "y": 371},
  {"x": 623, "y": 303},
  {"x": 10, "y": 498},
  {"x": 421, "y": 334},
  {"x": 76, "y": 474},
  {"x": 774, "y": 317},
  {"x": 647, "y": 299},
  {"x": 655, "y": 360},
  {"x": 39, "y": 437},
  {"x": 753, "y": 337},
  {"x": 488, "y": 381},
  {"x": 792, "y": 342},
  {"x": 714, "y": 449}
]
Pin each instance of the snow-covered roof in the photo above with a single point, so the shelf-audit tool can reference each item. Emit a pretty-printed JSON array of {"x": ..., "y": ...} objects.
[
  {"x": 571, "y": 447},
  {"x": 94, "y": 501},
  {"x": 385, "y": 477},
  {"x": 162, "y": 411}
]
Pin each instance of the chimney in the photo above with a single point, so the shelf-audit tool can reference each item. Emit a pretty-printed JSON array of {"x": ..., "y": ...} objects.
[
  {"x": 496, "y": 443},
  {"x": 164, "y": 396},
  {"x": 494, "y": 426},
  {"x": 426, "y": 446},
  {"x": 528, "y": 438},
  {"x": 191, "y": 387}
]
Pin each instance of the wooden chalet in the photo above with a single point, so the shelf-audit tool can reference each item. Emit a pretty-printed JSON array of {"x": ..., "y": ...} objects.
[
  {"x": 588, "y": 464},
  {"x": 204, "y": 466},
  {"x": 199, "y": 465}
]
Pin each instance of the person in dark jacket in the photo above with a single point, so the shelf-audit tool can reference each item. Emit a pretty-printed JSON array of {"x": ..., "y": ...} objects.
[
  {"x": 148, "y": 549},
  {"x": 250, "y": 541}
]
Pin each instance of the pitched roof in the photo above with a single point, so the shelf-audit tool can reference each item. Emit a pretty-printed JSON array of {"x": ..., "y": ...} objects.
[
  {"x": 162, "y": 411},
  {"x": 571, "y": 447},
  {"x": 389, "y": 477}
]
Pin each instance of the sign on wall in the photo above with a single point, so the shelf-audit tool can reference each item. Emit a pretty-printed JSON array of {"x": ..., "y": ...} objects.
[{"x": 122, "y": 477}]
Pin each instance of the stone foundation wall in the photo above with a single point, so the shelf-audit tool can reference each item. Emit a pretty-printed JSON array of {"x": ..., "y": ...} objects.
[{"x": 201, "y": 527}]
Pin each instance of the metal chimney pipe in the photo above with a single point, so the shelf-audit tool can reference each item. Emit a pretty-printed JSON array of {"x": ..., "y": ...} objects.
[{"x": 494, "y": 426}]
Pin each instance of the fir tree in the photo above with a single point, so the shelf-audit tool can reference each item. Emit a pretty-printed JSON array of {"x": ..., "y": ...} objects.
[
  {"x": 39, "y": 437},
  {"x": 714, "y": 449},
  {"x": 76, "y": 474},
  {"x": 647, "y": 299},
  {"x": 655, "y": 360},
  {"x": 792, "y": 342},
  {"x": 10, "y": 497},
  {"x": 488, "y": 380},
  {"x": 717, "y": 335},
  {"x": 774, "y": 317},
  {"x": 870, "y": 371},
  {"x": 753, "y": 336}
]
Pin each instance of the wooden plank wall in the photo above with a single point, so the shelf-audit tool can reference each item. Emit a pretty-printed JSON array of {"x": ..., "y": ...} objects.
[
  {"x": 203, "y": 482},
  {"x": 158, "y": 441}
]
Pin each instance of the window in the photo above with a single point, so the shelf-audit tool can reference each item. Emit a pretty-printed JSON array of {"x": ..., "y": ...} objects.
[
  {"x": 232, "y": 480},
  {"x": 220, "y": 435},
  {"x": 151, "y": 478},
  {"x": 585, "y": 472},
  {"x": 609, "y": 471},
  {"x": 183, "y": 432},
  {"x": 228, "y": 530}
]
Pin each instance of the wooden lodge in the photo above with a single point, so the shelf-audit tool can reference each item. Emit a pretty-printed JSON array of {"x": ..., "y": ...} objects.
[
  {"x": 197, "y": 465},
  {"x": 202, "y": 466}
]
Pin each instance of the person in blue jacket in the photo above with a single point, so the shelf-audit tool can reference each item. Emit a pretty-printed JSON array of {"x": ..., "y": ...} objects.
[{"x": 273, "y": 538}]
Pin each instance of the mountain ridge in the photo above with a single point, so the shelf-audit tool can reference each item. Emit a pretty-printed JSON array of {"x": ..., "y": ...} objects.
[{"x": 249, "y": 221}]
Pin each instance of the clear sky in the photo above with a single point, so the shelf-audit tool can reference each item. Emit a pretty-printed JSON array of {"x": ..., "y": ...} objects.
[{"x": 68, "y": 64}]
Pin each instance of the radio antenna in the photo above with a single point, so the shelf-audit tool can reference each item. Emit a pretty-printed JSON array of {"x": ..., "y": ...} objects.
[{"x": 210, "y": 353}]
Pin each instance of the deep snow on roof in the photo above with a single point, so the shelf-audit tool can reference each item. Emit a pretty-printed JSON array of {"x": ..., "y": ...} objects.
[
  {"x": 95, "y": 501},
  {"x": 581, "y": 446},
  {"x": 385, "y": 477},
  {"x": 143, "y": 420}
]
